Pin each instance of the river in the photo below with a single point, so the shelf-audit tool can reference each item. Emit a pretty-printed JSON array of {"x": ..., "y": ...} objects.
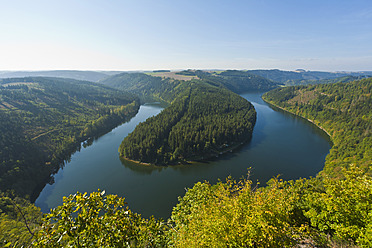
[{"x": 281, "y": 144}]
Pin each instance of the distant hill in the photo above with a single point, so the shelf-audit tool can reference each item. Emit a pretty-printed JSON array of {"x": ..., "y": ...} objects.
[
  {"x": 289, "y": 77},
  {"x": 344, "y": 79},
  {"x": 149, "y": 87},
  {"x": 238, "y": 81},
  {"x": 92, "y": 76}
]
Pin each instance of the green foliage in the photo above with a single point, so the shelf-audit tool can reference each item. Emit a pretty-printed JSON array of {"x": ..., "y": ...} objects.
[
  {"x": 344, "y": 208},
  {"x": 233, "y": 214},
  {"x": 19, "y": 220},
  {"x": 98, "y": 220},
  {"x": 44, "y": 120}
]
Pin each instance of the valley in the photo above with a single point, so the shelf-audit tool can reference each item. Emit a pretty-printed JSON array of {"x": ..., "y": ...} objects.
[{"x": 200, "y": 119}]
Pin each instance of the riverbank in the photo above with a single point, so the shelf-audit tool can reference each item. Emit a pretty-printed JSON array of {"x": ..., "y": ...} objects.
[
  {"x": 320, "y": 127},
  {"x": 64, "y": 155},
  {"x": 215, "y": 154}
]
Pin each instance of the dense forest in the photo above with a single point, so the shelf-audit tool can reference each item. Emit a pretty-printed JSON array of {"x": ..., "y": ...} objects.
[
  {"x": 201, "y": 122},
  {"x": 44, "y": 120}
]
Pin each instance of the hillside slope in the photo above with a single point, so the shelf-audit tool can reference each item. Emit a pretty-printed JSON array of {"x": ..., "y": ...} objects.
[
  {"x": 43, "y": 120},
  {"x": 147, "y": 87},
  {"x": 167, "y": 88},
  {"x": 343, "y": 109}
]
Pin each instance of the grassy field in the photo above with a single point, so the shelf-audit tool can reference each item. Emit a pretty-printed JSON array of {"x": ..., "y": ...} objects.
[{"x": 172, "y": 75}]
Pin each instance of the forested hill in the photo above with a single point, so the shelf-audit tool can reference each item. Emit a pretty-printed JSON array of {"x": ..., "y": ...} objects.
[
  {"x": 343, "y": 109},
  {"x": 202, "y": 121},
  {"x": 43, "y": 120}
]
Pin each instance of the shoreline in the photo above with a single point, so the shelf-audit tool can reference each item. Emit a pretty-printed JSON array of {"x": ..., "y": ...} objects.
[
  {"x": 320, "y": 127},
  {"x": 231, "y": 148}
]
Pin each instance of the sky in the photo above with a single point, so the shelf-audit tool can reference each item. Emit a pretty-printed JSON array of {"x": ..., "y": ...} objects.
[{"x": 323, "y": 35}]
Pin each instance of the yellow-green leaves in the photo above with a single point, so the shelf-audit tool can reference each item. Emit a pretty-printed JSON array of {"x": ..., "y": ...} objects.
[
  {"x": 344, "y": 209},
  {"x": 97, "y": 220},
  {"x": 233, "y": 214}
]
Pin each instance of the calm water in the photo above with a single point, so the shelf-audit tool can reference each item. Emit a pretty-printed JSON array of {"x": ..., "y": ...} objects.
[{"x": 281, "y": 144}]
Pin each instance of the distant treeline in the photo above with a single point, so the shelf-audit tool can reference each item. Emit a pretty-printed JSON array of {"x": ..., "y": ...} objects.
[{"x": 307, "y": 77}]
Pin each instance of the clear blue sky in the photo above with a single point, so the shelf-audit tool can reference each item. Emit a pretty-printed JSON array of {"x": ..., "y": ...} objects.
[{"x": 322, "y": 35}]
